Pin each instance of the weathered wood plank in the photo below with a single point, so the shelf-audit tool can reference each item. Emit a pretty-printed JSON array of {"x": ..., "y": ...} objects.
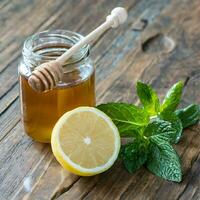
[
  {"x": 35, "y": 188},
  {"x": 29, "y": 168},
  {"x": 9, "y": 119},
  {"x": 18, "y": 160},
  {"x": 8, "y": 74},
  {"x": 121, "y": 80}
]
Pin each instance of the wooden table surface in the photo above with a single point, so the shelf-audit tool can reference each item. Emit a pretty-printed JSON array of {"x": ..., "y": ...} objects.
[{"x": 159, "y": 44}]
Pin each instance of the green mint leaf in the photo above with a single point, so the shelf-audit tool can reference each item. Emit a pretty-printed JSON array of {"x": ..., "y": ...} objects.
[
  {"x": 163, "y": 161},
  {"x": 172, "y": 98},
  {"x": 189, "y": 115},
  {"x": 129, "y": 119},
  {"x": 134, "y": 155},
  {"x": 148, "y": 98},
  {"x": 160, "y": 129},
  {"x": 175, "y": 123},
  {"x": 127, "y": 130},
  {"x": 121, "y": 152}
]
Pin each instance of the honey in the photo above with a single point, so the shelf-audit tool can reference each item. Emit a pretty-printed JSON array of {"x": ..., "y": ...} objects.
[{"x": 40, "y": 111}]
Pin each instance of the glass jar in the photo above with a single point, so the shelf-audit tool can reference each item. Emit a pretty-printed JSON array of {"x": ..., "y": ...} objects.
[{"x": 40, "y": 111}]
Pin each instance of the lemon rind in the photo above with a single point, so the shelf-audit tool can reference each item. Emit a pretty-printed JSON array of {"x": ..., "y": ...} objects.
[{"x": 65, "y": 161}]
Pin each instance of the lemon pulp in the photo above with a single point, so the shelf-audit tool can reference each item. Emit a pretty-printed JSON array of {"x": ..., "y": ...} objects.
[{"x": 85, "y": 141}]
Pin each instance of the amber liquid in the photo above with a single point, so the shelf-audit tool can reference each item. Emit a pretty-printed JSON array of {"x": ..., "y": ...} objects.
[{"x": 40, "y": 111}]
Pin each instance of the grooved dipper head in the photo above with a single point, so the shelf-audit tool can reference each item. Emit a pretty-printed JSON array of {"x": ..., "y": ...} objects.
[{"x": 46, "y": 76}]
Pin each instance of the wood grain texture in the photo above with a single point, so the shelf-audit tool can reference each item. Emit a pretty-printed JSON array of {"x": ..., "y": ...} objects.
[{"x": 140, "y": 50}]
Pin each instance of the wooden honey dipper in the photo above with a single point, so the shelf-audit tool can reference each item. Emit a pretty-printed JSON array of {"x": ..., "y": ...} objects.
[{"x": 47, "y": 75}]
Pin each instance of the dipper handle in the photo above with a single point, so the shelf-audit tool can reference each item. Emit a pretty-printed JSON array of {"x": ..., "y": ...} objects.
[
  {"x": 118, "y": 16},
  {"x": 47, "y": 75}
]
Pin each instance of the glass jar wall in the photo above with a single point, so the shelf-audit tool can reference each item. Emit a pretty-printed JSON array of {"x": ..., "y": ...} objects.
[{"x": 40, "y": 111}]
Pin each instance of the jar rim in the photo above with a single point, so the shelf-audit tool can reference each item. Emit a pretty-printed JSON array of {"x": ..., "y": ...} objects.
[{"x": 73, "y": 37}]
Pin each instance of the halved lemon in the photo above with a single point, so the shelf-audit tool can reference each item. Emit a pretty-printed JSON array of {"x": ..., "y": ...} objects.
[{"x": 85, "y": 141}]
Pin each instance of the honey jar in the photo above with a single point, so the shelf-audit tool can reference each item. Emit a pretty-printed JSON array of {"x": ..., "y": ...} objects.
[{"x": 40, "y": 111}]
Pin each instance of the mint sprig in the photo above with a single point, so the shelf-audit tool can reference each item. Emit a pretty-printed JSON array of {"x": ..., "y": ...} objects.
[
  {"x": 129, "y": 119},
  {"x": 175, "y": 123},
  {"x": 148, "y": 98},
  {"x": 134, "y": 155},
  {"x": 153, "y": 127},
  {"x": 172, "y": 98},
  {"x": 163, "y": 160},
  {"x": 160, "y": 129},
  {"x": 189, "y": 115}
]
